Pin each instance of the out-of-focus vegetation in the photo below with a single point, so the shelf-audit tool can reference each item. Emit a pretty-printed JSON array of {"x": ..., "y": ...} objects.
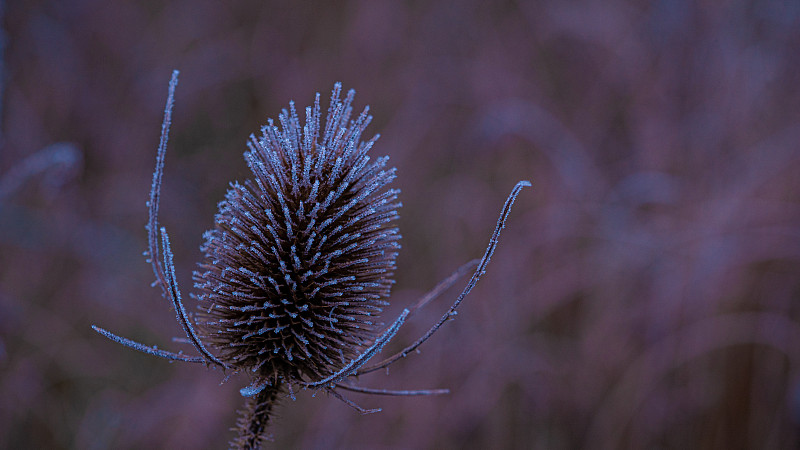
[{"x": 646, "y": 293}]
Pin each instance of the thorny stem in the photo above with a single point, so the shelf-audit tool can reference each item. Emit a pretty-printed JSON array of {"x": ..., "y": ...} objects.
[{"x": 254, "y": 419}]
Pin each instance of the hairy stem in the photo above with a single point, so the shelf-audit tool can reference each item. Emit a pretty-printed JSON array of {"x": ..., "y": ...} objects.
[{"x": 254, "y": 418}]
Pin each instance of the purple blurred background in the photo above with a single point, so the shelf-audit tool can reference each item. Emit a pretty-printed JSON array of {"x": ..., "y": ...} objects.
[{"x": 645, "y": 294}]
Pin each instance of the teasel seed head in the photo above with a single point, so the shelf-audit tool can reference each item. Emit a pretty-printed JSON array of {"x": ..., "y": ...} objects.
[
  {"x": 298, "y": 264},
  {"x": 301, "y": 257}
]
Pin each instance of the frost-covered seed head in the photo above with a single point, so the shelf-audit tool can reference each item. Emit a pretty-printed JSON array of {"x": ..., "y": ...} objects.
[{"x": 301, "y": 256}]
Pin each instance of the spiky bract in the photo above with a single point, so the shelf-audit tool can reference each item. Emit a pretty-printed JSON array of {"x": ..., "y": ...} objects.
[{"x": 301, "y": 256}]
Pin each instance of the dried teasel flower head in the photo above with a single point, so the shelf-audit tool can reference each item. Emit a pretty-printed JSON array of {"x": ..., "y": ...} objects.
[
  {"x": 301, "y": 256},
  {"x": 299, "y": 262}
]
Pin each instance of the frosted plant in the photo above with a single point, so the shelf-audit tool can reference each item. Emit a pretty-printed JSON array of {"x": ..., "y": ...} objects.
[{"x": 298, "y": 265}]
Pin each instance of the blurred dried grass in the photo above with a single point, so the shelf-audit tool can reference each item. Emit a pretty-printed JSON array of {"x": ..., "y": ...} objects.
[{"x": 646, "y": 293}]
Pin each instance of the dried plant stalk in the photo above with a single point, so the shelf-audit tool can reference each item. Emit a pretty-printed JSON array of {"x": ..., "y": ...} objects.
[{"x": 298, "y": 265}]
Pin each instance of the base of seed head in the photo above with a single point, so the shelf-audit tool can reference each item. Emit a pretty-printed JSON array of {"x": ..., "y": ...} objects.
[{"x": 298, "y": 265}]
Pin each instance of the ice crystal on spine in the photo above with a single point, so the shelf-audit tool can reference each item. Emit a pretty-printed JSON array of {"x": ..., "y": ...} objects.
[{"x": 302, "y": 255}]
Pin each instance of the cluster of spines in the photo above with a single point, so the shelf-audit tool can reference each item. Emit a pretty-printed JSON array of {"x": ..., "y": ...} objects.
[{"x": 301, "y": 256}]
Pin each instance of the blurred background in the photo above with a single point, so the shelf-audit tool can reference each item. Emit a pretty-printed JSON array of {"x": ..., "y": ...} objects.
[{"x": 645, "y": 293}]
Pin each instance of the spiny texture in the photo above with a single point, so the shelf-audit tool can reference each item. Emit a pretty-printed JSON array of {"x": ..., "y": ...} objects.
[
  {"x": 302, "y": 255},
  {"x": 254, "y": 418},
  {"x": 299, "y": 261}
]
